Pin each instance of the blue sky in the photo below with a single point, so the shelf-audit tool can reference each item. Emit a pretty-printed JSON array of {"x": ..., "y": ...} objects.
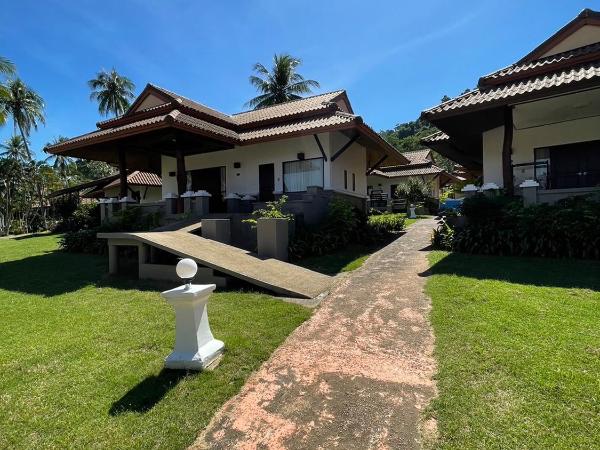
[{"x": 394, "y": 58}]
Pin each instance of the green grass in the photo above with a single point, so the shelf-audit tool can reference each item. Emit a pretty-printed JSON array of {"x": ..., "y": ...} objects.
[
  {"x": 81, "y": 361},
  {"x": 344, "y": 260},
  {"x": 518, "y": 350}
]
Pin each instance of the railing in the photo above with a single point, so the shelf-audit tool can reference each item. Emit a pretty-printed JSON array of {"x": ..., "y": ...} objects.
[{"x": 538, "y": 171}]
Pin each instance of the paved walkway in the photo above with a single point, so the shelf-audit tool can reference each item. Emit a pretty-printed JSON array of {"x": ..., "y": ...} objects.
[{"x": 356, "y": 375}]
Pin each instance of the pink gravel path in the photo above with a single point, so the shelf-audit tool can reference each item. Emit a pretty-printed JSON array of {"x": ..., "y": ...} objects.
[{"x": 357, "y": 374}]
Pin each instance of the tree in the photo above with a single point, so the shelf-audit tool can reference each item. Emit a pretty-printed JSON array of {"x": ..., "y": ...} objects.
[
  {"x": 15, "y": 149},
  {"x": 60, "y": 163},
  {"x": 112, "y": 92},
  {"x": 25, "y": 107},
  {"x": 87, "y": 170},
  {"x": 280, "y": 84},
  {"x": 7, "y": 69}
]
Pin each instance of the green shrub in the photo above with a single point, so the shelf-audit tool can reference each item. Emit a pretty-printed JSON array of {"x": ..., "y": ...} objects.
[
  {"x": 83, "y": 240},
  {"x": 386, "y": 224},
  {"x": 274, "y": 210},
  {"x": 442, "y": 237},
  {"x": 414, "y": 190},
  {"x": 84, "y": 217},
  {"x": 503, "y": 226}
]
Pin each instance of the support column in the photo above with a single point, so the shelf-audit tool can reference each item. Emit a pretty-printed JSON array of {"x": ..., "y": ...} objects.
[
  {"x": 122, "y": 174},
  {"x": 181, "y": 175},
  {"x": 507, "y": 173},
  {"x": 113, "y": 258}
]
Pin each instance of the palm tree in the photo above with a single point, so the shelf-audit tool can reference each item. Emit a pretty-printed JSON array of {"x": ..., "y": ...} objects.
[
  {"x": 60, "y": 163},
  {"x": 112, "y": 91},
  {"x": 8, "y": 69},
  {"x": 16, "y": 149},
  {"x": 25, "y": 106},
  {"x": 281, "y": 83}
]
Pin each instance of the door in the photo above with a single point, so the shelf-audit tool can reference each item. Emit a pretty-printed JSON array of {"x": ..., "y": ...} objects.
[
  {"x": 575, "y": 165},
  {"x": 266, "y": 182},
  {"x": 211, "y": 180}
]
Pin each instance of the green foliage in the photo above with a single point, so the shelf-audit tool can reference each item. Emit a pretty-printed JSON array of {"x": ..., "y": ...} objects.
[
  {"x": 280, "y": 84},
  {"x": 415, "y": 190},
  {"x": 274, "y": 210},
  {"x": 83, "y": 239},
  {"x": 503, "y": 226},
  {"x": 87, "y": 170},
  {"x": 85, "y": 216},
  {"x": 344, "y": 225},
  {"x": 112, "y": 91},
  {"x": 442, "y": 237},
  {"x": 386, "y": 224}
]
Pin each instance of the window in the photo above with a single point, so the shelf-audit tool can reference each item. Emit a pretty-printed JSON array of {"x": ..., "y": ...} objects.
[
  {"x": 345, "y": 179},
  {"x": 393, "y": 191},
  {"x": 353, "y": 181},
  {"x": 298, "y": 175},
  {"x": 569, "y": 166}
]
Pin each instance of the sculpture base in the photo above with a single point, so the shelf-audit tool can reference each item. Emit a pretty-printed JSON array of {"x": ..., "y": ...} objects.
[{"x": 203, "y": 359}]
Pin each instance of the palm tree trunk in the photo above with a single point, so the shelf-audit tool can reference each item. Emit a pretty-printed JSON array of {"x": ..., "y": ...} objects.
[{"x": 25, "y": 142}]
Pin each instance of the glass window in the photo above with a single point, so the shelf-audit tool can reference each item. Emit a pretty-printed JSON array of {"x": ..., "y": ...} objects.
[
  {"x": 298, "y": 175},
  {"x": 354, "y": 182}
]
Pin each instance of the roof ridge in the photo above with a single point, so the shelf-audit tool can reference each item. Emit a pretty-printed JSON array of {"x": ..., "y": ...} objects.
[{"x": 339, "y": 91}]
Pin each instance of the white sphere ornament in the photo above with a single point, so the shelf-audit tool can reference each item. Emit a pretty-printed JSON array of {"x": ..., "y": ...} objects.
[{"x": 186, "y": 269}]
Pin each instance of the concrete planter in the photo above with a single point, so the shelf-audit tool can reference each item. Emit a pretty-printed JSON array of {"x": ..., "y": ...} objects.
[
  {"x": 217, "y": 230},
  {"x": 272, "y": 237}
]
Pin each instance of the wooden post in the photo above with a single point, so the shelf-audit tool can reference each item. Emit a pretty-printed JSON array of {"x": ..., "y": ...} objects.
[
  {"x": 507, "y": 172},
  {"x": 122, "y": 174}
]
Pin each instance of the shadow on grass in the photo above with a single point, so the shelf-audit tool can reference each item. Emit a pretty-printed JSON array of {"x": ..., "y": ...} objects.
[
  {"x": 333, "y": 263},
  {"x": 55, "y": 273},
  {"x": 564, "y": 273},
  {"x": 146, "y": 394}
]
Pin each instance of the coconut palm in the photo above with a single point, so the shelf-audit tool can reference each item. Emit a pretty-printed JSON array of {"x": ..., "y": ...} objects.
[
  {"x": 15, "y": 149},
  {"x": 8, "y": 69},
  {"x": 112, "y": 92},
  {"x": 60, "y": 163},
  {"x": 25, "y": 107},
  {"x": 280, "y": 84}
]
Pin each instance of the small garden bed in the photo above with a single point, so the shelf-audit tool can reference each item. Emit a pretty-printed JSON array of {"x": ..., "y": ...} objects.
[{"x": 81, "y": 365}]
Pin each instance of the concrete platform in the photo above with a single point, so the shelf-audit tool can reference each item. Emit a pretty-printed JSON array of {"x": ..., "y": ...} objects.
[{"x": 276, "y": 276}]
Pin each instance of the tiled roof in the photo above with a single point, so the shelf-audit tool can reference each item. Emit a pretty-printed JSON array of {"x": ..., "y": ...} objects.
[
  {"x": 300, "y": 125},
  {"x": 314, "y": 103},
  {"x": 418, "y": 156},
  {"x": 139, "y": 178},
  {"x": 546, "y": 64},
  {"x": 512, "y": 91},
  {"x": 438, "y": 136},
  {"x": 408, "y": 171}
]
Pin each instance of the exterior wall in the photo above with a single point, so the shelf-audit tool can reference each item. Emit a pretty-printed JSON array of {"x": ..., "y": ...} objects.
[
  {"x": 492, "y": 156},
  {"x": 588, "y": 34},
  {"x": 153, "y": 194},
  {"x": 386, "y": 183},
  {"x": 353, "y": 161},
  {"x": 245, "y": 179},
  {"x": 528, "y": 139}
]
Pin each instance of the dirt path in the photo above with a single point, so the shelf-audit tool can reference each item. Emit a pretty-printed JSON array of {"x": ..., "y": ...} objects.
[{"x": 356, "y": 375}]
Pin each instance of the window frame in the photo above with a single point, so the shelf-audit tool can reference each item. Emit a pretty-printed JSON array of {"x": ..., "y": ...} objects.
[{"x": 299, "y": 160}]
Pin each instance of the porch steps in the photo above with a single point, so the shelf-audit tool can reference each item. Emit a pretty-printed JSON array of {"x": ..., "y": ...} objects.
[{"x": 276, "y": 276}]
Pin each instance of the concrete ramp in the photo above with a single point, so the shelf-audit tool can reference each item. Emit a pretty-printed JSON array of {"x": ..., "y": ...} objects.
[{"x": 276, "y": 276}]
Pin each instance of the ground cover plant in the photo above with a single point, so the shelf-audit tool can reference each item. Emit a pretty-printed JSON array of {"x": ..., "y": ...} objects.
[
  {"x": 518, "y": 351},
  {"x": 81, "y": 361}
]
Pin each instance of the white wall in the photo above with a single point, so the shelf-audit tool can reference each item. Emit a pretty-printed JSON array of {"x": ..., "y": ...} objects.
[
  {"x": 245, "y": 179},
  {"x": 588, "y": 34},
  {"x": 492, "y": 156},
  {"x": 353, "y": 161},
  {"x": 527, "y": 139},
  {"x": 153, "y": 194},
  {"x": 385, "y": 184}
]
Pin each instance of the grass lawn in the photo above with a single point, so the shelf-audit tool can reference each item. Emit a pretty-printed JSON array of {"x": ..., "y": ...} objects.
[
  {"x": 81, "y": 361},
  {"x": 518, "y": 348}
]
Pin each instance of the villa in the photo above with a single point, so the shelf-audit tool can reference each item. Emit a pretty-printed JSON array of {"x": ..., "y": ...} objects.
[
  {"x": 535, "y": 123},
  {"x": 310, "y": 149}
]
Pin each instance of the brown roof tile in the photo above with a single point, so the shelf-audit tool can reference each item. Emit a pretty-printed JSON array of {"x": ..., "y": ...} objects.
[
  {"x": 510, "y": 91},
  {"x": 139, "y": 178},
  {"x": 314, "y": 103},
  {"x": 418, "y": 156},
  {"x": 408, "y": 171}
]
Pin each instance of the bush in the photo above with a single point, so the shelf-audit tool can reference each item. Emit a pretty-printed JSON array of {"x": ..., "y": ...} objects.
[
  {"x": 83, "y": 239},
  {"x": 414, "y": 190},
  {"x": 386, "y": 224},
  {"x": 274, "y": 210},
  {"x": 84, "y": 217},
  {"x": 442, "y": 237},
  {"x": 344, "y": 224},
  {"x": 503, "y": 226}
]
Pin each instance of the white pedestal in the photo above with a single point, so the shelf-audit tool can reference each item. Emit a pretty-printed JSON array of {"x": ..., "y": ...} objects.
[
  {"x": 195, "y": 346},
  {"x": 411, "y": 212}
]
